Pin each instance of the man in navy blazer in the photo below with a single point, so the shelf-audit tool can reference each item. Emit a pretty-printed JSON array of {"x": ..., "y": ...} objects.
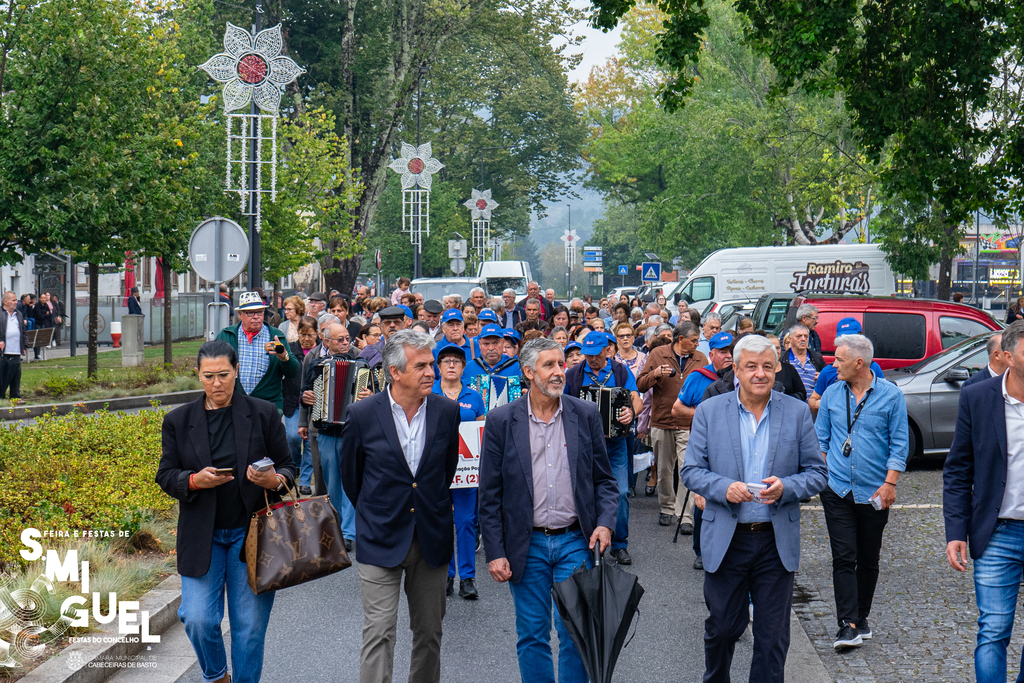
[
  {"x": 546, "y": 494},
  {"x": 751, "y": 544},
  {"x": 399, "y": 453},
  {"x": 996, "y": 363},
  {"x": 983, "y": 501}
]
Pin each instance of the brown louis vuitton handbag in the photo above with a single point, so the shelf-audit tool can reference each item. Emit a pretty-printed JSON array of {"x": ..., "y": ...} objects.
[{"x": 292, "y": 542}]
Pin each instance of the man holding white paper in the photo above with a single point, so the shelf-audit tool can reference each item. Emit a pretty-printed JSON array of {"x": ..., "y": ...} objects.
[
  {"x": 753, "y": 455},
  {"x": 862, "y": 428}
]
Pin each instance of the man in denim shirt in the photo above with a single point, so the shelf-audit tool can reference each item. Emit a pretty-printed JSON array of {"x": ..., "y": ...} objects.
[{"x": 862, "y": 428}]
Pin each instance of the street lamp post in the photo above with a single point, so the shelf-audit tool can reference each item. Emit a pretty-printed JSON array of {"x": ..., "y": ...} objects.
[{"x": 417, "y": 266}]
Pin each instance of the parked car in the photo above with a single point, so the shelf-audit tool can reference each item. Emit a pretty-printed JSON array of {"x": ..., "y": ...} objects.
[
  {"x": 619, "y": 291},
  {"x": 437, "y": 287},
  {"x": 904, "y": 331},
  {"x": 932, "y": 390}
]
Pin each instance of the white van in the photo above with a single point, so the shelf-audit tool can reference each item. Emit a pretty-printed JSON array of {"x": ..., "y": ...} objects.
[
  {"x": 502, "y": 275},
  {"x": 748, "y": 272}
]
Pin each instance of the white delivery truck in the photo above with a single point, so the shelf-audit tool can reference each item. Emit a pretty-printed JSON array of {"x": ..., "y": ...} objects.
[
  {"x": 748, "y": 272},
  {"x": 502, "y": 275}
]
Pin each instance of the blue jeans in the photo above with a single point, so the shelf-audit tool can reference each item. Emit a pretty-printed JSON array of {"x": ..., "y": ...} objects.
[
  {"x": 330, "y": 465},
  {"x": 464, "y": 502},
  {"x": 202, "y": 610},
  {"x": 301, "y": 453},
  {"x": 551, "y": 559},
  {"x": 997, "y": 576},
  {"x": 622, "y": 464}
]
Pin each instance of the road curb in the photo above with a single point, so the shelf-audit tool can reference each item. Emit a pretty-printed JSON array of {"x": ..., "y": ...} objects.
[
  {"x": 803, "y": 664},
  {"x": 122, "y": 403},
  {"x": 83, "y": 662}
]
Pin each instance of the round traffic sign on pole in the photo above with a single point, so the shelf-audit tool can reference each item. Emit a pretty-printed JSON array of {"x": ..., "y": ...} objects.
[
  {"x": 218, "y": 249},
  {"x": 377, "y": 260},
  {"x": 458, "y": 265}
]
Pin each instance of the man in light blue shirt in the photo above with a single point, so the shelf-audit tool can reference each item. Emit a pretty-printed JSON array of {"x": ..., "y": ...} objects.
[
  {"x": 863, "y": 433},
  {"x": 712, "y": 325}
]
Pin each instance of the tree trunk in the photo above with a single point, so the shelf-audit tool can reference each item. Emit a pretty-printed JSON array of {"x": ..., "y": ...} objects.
[
  {"x": 165, "y": 271},
  {"x": 945, "y": 283},
  {"x": 94, "y": 289}
]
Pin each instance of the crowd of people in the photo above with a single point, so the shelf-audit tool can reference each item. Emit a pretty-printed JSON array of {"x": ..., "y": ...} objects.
[{"x": 743, "y": 426}]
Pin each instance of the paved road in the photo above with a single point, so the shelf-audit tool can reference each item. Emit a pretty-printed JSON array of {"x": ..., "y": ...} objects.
[{"x": 315, "y": 629}]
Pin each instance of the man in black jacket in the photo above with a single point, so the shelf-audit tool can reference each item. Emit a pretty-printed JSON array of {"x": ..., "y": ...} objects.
[{"x": 399, "y": 453}]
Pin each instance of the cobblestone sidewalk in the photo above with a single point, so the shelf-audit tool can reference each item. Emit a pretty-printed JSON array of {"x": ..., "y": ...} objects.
[{"x": 924, "y": 615}]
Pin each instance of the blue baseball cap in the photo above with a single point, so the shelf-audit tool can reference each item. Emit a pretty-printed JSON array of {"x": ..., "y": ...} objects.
[
  {"x": 450, "y": 349},
  {"x": 594, "y": 344},
  {"x": 487, "y": 314},
  {"x": 408, "y": 311},
  {"x": 451, "y": 314},
  {"x": 848, "y": 326},
  {"x": 492, "y": 330},
  {"x": 572, "y": 346},
  {"x": 513, "y": 334},
  {"x": 611, "y": 337},
  {"x": 720, "y": 341}
]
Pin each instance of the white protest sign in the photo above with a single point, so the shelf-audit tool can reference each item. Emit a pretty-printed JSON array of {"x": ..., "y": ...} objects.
[{"x": 471, "y": 434}]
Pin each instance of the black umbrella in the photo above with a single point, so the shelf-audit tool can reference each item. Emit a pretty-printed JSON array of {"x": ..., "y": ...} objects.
[{"x": 597, "y": 606}]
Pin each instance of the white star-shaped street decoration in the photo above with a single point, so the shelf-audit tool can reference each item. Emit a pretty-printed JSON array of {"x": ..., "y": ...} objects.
[
  {"x": 570, "y": 238},
  {"x": 481, "y": 205},
  {"x": 416, "y": 165},
  {"x": 252, "y": 69}
]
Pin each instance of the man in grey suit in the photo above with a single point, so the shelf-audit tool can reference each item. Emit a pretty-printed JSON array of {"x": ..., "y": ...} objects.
[
  {"x": 996, "y": 362},
  {"x": 753, "y": 437}
]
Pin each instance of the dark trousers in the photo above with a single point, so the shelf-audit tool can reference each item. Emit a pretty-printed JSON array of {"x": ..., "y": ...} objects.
[
  {"x": 750, "y": 571},
  {"x": 855, "y": 533},
  {"x": 10, "y": 375},
  {"x": 698, "y": 517}
]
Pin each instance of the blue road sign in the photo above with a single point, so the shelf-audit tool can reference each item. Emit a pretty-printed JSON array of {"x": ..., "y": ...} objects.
[
  {"x": 623, "y": 270},
  {"x": 650, "y": 271}
]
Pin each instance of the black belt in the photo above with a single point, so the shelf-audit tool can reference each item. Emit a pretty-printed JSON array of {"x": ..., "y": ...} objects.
[
  {"x": 755, "y": 527},
  {"x": 13, "y": 355},
  {"x": 557, "y": 532}
]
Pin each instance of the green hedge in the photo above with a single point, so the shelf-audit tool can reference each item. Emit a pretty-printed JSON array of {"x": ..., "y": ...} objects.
[{"x": 84, "y": 472}]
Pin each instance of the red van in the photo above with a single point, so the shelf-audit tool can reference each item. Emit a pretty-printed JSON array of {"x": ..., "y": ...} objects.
[{"x": 903, "y": 331}]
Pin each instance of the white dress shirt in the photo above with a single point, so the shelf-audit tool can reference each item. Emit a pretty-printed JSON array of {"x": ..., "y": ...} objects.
[
  {"x": 411, "y": 435},
  {"x": 1013, "y": 495}
]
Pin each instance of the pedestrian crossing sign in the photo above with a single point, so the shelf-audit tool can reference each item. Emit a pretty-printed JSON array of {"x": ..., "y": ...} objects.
[{"x": 650, "y": 271}]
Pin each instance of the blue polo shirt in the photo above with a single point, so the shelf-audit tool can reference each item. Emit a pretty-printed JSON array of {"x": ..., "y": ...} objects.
[
  {"x": 693, "y": 388},
  {"x": 471, "y": 405},
  {"x": 829, "y": 375},
  {"x": 473, "y": 368},
  {"x": 437, "y": 350}
]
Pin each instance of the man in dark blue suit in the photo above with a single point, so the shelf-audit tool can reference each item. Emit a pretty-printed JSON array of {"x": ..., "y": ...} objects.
[
  {"x": 546, "y": 487},
  {"x": 983, "y": 502},
  {"x": 996, "y": 363},
  {"x": 399, "y": 453}
]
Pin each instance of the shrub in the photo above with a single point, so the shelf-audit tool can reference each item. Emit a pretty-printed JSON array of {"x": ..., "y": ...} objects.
[{"x": 79, "y": 472}]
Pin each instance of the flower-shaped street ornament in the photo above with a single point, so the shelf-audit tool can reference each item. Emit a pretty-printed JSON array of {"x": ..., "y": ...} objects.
[
  {"x": 416, "y": 165},
  {"x": 252, "y": 68},
  {"x": 570, "y": 238},
  {"x": 481, "y": 205}
]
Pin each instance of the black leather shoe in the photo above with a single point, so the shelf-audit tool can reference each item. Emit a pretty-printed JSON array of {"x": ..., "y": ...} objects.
[
  {"x": 686, "y": 529},
  {"x": 698, "y": 563},
  {"x": 467, "y": 589},
  {"x": 664, "y": 520},
  {"x": 305, "y": 491},
  {"x": 649, "y": 490},
  {"x": 348, "y": 545},
  {"x": 450, "y": 586},
  {"x": 621, "y": 555}
]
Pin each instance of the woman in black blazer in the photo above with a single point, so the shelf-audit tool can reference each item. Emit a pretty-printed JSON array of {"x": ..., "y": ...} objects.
[{"x": 222, "y": 431}]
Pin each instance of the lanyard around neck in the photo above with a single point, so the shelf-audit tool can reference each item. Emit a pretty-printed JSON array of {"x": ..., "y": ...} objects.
[{"x": 856, "y": 413}]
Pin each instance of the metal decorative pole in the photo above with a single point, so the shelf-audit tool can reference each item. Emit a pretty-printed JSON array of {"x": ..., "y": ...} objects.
[
  {"x": 417, "y": 167},
  {"x": 570, "y": 239},
  {"x": 480, "y": 206},
  {"x": 253, "y": 72}
]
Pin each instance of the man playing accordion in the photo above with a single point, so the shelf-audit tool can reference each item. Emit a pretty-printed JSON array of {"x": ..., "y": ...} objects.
[{"x": 600, "y": 371}]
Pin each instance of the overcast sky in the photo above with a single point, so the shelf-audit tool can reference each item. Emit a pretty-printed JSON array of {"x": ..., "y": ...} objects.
[{"x": 596, "y": 48}]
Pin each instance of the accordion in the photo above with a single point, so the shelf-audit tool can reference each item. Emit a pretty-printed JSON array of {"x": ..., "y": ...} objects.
[
  {"x": 496, "y": 390},
  {"x": 609, "y": 400},
  {"x": 336, "y": 386}
]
